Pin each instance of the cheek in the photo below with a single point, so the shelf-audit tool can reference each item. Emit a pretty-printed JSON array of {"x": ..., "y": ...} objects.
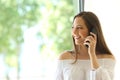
[{"x": 84, "y": 34}]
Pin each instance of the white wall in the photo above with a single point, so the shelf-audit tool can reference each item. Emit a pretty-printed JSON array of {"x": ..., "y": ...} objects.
[{"x": 108, "y": 11}]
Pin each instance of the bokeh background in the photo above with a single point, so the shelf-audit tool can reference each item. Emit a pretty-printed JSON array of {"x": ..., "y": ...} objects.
[{"x": 34, "y": 32}]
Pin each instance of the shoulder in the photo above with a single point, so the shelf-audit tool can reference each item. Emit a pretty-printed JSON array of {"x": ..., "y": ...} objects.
[
  {"x": 65, "y": 55},
  {"x": 109, "y": 56}
]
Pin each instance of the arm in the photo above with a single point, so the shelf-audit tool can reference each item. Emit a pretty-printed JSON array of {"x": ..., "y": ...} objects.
[
  {"x": 92, "y": 50},
  {"x": 106, "y": 70},
  {"x": 101, "y": 72}
]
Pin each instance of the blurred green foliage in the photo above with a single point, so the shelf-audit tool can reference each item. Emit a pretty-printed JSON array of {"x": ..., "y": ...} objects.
[
  {"x": 17, "y": 15},
  {"x": 57, "y": 25}
]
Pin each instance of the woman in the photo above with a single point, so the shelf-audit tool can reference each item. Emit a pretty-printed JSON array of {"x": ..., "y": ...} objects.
[{"x": 90, "y": 53}]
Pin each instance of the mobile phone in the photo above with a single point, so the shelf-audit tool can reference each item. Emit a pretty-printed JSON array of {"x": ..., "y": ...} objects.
[{"x": 94, "y": 31}]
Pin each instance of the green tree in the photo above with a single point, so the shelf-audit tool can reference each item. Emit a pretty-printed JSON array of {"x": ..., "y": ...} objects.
[
  {"x": 57, "y": 25},
  {"x": 16, "y": 16}
]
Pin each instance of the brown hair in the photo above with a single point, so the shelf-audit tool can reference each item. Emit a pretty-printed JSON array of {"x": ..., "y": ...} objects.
[{"x": 92, "y": 21}]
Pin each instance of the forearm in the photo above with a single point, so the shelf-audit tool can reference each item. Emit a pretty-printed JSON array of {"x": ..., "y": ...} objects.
[{"x": 94, "y": 61}]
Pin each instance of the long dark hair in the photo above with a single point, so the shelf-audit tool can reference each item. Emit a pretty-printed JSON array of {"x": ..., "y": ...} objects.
[{"x": 92, "y": 21}]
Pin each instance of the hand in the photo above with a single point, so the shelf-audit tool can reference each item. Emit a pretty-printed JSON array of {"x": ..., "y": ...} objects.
[{"x": 91, "y": 41}]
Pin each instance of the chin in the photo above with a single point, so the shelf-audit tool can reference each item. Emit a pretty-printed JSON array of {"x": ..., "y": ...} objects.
[{"x": 77, "y": 43}]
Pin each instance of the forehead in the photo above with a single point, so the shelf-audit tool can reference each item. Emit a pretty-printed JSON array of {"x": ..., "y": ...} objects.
[{"x": 78, "y": 21}]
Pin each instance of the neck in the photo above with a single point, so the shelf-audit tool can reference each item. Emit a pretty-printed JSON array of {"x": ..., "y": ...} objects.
[{"x": 82, "y": 50}]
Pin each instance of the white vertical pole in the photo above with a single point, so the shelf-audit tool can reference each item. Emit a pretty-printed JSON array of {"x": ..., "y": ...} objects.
[{"x": 92, "y": 74}]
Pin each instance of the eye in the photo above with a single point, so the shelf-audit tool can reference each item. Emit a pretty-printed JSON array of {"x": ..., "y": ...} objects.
[{"x": 79, "y": 28}]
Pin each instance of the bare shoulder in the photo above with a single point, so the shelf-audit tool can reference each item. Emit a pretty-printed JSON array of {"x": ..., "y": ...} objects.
[
  {"x": 109, "y": 56},
  {"x": 65, "y": 55}
]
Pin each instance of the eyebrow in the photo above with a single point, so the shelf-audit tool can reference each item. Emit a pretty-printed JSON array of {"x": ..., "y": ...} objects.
[{"x": 78, "y": 26}]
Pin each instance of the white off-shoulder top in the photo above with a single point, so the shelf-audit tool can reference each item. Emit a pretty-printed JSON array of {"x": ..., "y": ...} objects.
[{"x": 82, "y": 68}]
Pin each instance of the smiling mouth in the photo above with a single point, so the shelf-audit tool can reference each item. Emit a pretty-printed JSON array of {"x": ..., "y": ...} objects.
[{"x": 77, "y": 37}]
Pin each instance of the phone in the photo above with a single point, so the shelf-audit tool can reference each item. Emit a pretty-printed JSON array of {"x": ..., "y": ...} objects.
[{"x": 94, "y": 31}]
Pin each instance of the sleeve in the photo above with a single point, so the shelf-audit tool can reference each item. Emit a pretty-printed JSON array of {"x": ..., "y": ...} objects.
[
  {"x": 105, "y": 72},
  {"x": 59, "y": 71}
]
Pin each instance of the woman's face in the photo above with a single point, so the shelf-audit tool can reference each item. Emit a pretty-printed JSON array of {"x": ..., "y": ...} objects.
[{"x": 79, "y": 31}]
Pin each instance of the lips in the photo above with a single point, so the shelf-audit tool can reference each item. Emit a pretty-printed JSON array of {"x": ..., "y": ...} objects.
[{"x": 78, "y": 37}]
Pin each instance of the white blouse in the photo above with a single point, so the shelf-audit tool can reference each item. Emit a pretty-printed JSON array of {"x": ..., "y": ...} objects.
[{"x": 82, "y": 68}]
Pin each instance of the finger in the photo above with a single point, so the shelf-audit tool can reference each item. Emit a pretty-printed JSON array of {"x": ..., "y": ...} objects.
[
  {"x": 87, "y": 44},
  {"x": 94, "y": 35},
  {"x": 87, "y": 40}
]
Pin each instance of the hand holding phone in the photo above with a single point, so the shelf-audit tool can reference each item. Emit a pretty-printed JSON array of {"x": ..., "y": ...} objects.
[{"x": 92, "y": 34}]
